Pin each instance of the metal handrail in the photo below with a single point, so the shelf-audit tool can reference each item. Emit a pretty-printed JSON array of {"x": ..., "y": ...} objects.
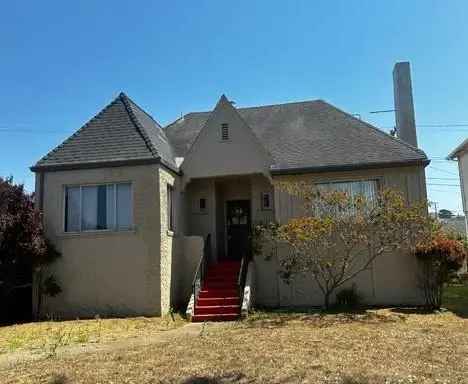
[
  {"x": 241, "y": 278},
  {"x": 200, "y": 273}
]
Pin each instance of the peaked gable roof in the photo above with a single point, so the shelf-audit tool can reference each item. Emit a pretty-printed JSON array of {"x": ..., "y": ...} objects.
[
  {"x": 232, "y": 151},
  {"x": 119, "y": 134},
  {"x": 310, "y": 135},
  {"x": 223, "y": 102}
]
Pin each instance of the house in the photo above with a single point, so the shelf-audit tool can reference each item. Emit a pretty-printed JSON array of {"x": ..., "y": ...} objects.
[
  {"x": 460, "y": 154},
  {"x": 148, "y": 217}
]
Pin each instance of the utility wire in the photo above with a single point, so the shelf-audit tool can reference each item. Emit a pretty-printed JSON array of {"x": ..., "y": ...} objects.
[
  {"x": 444, "y": 185},
  {"x": 442, "y": 178},
  {"x": 443, "y": 170}
]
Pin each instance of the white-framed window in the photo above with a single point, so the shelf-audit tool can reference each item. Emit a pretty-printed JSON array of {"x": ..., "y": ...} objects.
[
  {"x": 101, "y": 207},
  {"x": 366, "y": 188},
  {"x": 170, "y": 207},
  {"x": 202, "y": 205},
  {"x": 266, "y": 200},
  {"x": 225, "y": 132}
]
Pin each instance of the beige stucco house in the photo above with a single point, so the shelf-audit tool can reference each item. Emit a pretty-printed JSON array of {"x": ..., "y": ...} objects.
[{"x": 133, "y": 206}]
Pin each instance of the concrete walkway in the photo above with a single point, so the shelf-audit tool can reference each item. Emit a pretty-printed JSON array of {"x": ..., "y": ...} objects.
[{"x": 8, "y": 360}]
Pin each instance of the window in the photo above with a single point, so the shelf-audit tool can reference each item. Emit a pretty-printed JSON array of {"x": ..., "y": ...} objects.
[
  {"x": 202, "y": 204},
  {"x": 98, "y": 207},
  {"x": 366, "y": 188},
  {"x": 170, "y": 207},
  {"x": 224, "y": 132},
  {"x": 266, "y": 200}
]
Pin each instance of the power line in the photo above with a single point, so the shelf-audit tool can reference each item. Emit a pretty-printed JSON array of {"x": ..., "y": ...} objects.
[
  {"x": 12, "y": 130},
  {"x": 442, "y": 178},
  {"x": 443, "y": 170},
  {"x": 444, "y": 185},
  {"x": 443, "y": 125}
]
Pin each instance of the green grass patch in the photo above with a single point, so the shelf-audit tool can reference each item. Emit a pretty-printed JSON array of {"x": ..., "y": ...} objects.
[{"x": 456, "y": 299}]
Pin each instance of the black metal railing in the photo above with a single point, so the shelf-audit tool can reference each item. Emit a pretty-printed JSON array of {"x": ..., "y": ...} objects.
[
  {"x": 241, "y": 278},
  {"x": 202, "y": 268}
]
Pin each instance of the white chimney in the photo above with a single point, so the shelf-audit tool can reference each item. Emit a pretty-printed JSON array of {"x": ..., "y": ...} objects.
[{"x": 404, "y": 108}]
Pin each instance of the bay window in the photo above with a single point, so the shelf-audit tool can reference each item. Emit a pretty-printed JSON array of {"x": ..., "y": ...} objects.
[{"x": 98, "y": 207}]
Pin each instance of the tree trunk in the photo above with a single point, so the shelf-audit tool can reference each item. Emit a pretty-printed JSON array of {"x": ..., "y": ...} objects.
[
  {"x": 327, "y": 300},
  {"x": 38, "y": 282}
]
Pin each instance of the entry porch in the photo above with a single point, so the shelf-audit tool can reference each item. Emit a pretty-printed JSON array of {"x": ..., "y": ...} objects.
[{"x": 226, "y": 209}]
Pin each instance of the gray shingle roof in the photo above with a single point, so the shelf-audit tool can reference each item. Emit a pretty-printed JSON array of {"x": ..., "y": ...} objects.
[
  {"x": 121, "y": 133},
  {"x": 310, "y": 134}
]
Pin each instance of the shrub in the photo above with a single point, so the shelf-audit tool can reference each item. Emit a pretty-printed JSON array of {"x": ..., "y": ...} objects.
[
  {"x": 348, "y": 298},
  {"x": 440, "y": 258},
  {"x": 24, "y": 249}
]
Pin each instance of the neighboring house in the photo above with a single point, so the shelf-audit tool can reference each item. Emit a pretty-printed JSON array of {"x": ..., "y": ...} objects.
[
  {"x": 460, "y": 154},
  {"x": 133, "y": 206},
  {"x": 455, "y": 225}
]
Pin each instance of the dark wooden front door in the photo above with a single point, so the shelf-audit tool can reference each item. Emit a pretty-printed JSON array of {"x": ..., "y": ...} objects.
[{"x": 238, "y": 229}]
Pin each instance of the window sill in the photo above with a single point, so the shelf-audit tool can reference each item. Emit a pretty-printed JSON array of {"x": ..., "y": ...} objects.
[
  {"x": 102, "y": 233},
  {"x": 170, "y": 233},
  {"x": 202, "y": 213}
]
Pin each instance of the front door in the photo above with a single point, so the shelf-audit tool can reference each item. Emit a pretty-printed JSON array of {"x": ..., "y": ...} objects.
[{"x": 238, "y": 229}]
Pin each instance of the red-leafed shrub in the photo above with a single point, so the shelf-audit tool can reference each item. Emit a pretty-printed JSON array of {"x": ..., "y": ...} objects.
[
  {"x": 439, "y": 257},
  {"x": 24, "y": 250}
]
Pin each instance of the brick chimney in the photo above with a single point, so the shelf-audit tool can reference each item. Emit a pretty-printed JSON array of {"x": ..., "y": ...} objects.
[{"x": 404, "y": 108}]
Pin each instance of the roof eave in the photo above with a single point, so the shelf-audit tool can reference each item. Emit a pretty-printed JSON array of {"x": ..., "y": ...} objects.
[
  {"x": 456, "y": 152},
  {"x": 348, "y": 167},
  {"x": 102, "y": 164}
]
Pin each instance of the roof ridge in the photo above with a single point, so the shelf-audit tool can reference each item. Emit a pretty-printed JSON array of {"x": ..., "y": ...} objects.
[
  {"x": 67, "y": 140},
  {"x": 243, "y": 108},
  {"x": 383, "y": 133},
  {"x": 280, "y": 104},
  {"x": 141, "y": 130},
  {"x": 142, "y": 110}
]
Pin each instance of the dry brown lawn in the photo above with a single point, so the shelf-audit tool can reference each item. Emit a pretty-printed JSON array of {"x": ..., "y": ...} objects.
[
  {"x": 382, "y": 346},
  {"x": 47, "y": 335}
]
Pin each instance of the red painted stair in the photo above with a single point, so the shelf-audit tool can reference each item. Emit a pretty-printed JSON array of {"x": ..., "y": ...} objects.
[{"x": 218, "y": 299}]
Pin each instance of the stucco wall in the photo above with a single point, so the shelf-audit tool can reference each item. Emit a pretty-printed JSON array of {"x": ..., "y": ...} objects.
[
  {"x": 391, "y": 280},
  {"x": 168, "y": 238},
  {"x": 212, "y": 157},
  {"x": 107, "y": 273}
]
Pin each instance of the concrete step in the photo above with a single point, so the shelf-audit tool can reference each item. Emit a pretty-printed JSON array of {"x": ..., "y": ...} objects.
[
  {"x": 215, "y": 317},
  {"x": 205, "y": 293},
  {"x": 216, "y": 309},
  {"x": 210, "y": 301}
]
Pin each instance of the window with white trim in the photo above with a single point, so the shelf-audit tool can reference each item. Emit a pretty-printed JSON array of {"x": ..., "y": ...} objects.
[
  {"x": 170, "y": 207},
  {"x": 98, "y": 207},
  {"x": 202, "y": 205},
  {"x": 366, "y": 188},
  {"x": 266, "y": 201}
]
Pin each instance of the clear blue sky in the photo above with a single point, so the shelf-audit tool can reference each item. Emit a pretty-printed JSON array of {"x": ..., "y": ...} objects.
[{"x": 61, "y": 62}]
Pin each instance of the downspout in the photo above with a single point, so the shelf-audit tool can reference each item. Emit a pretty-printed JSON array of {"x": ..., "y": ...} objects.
[{"x": 40, "y": 204}]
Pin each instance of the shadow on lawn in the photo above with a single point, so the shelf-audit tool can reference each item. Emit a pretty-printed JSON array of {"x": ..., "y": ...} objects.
[
  {"x": 232, "y": 378},
  {"x": 320, "y": 319},
  {"x": 237, "y": 378}
]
